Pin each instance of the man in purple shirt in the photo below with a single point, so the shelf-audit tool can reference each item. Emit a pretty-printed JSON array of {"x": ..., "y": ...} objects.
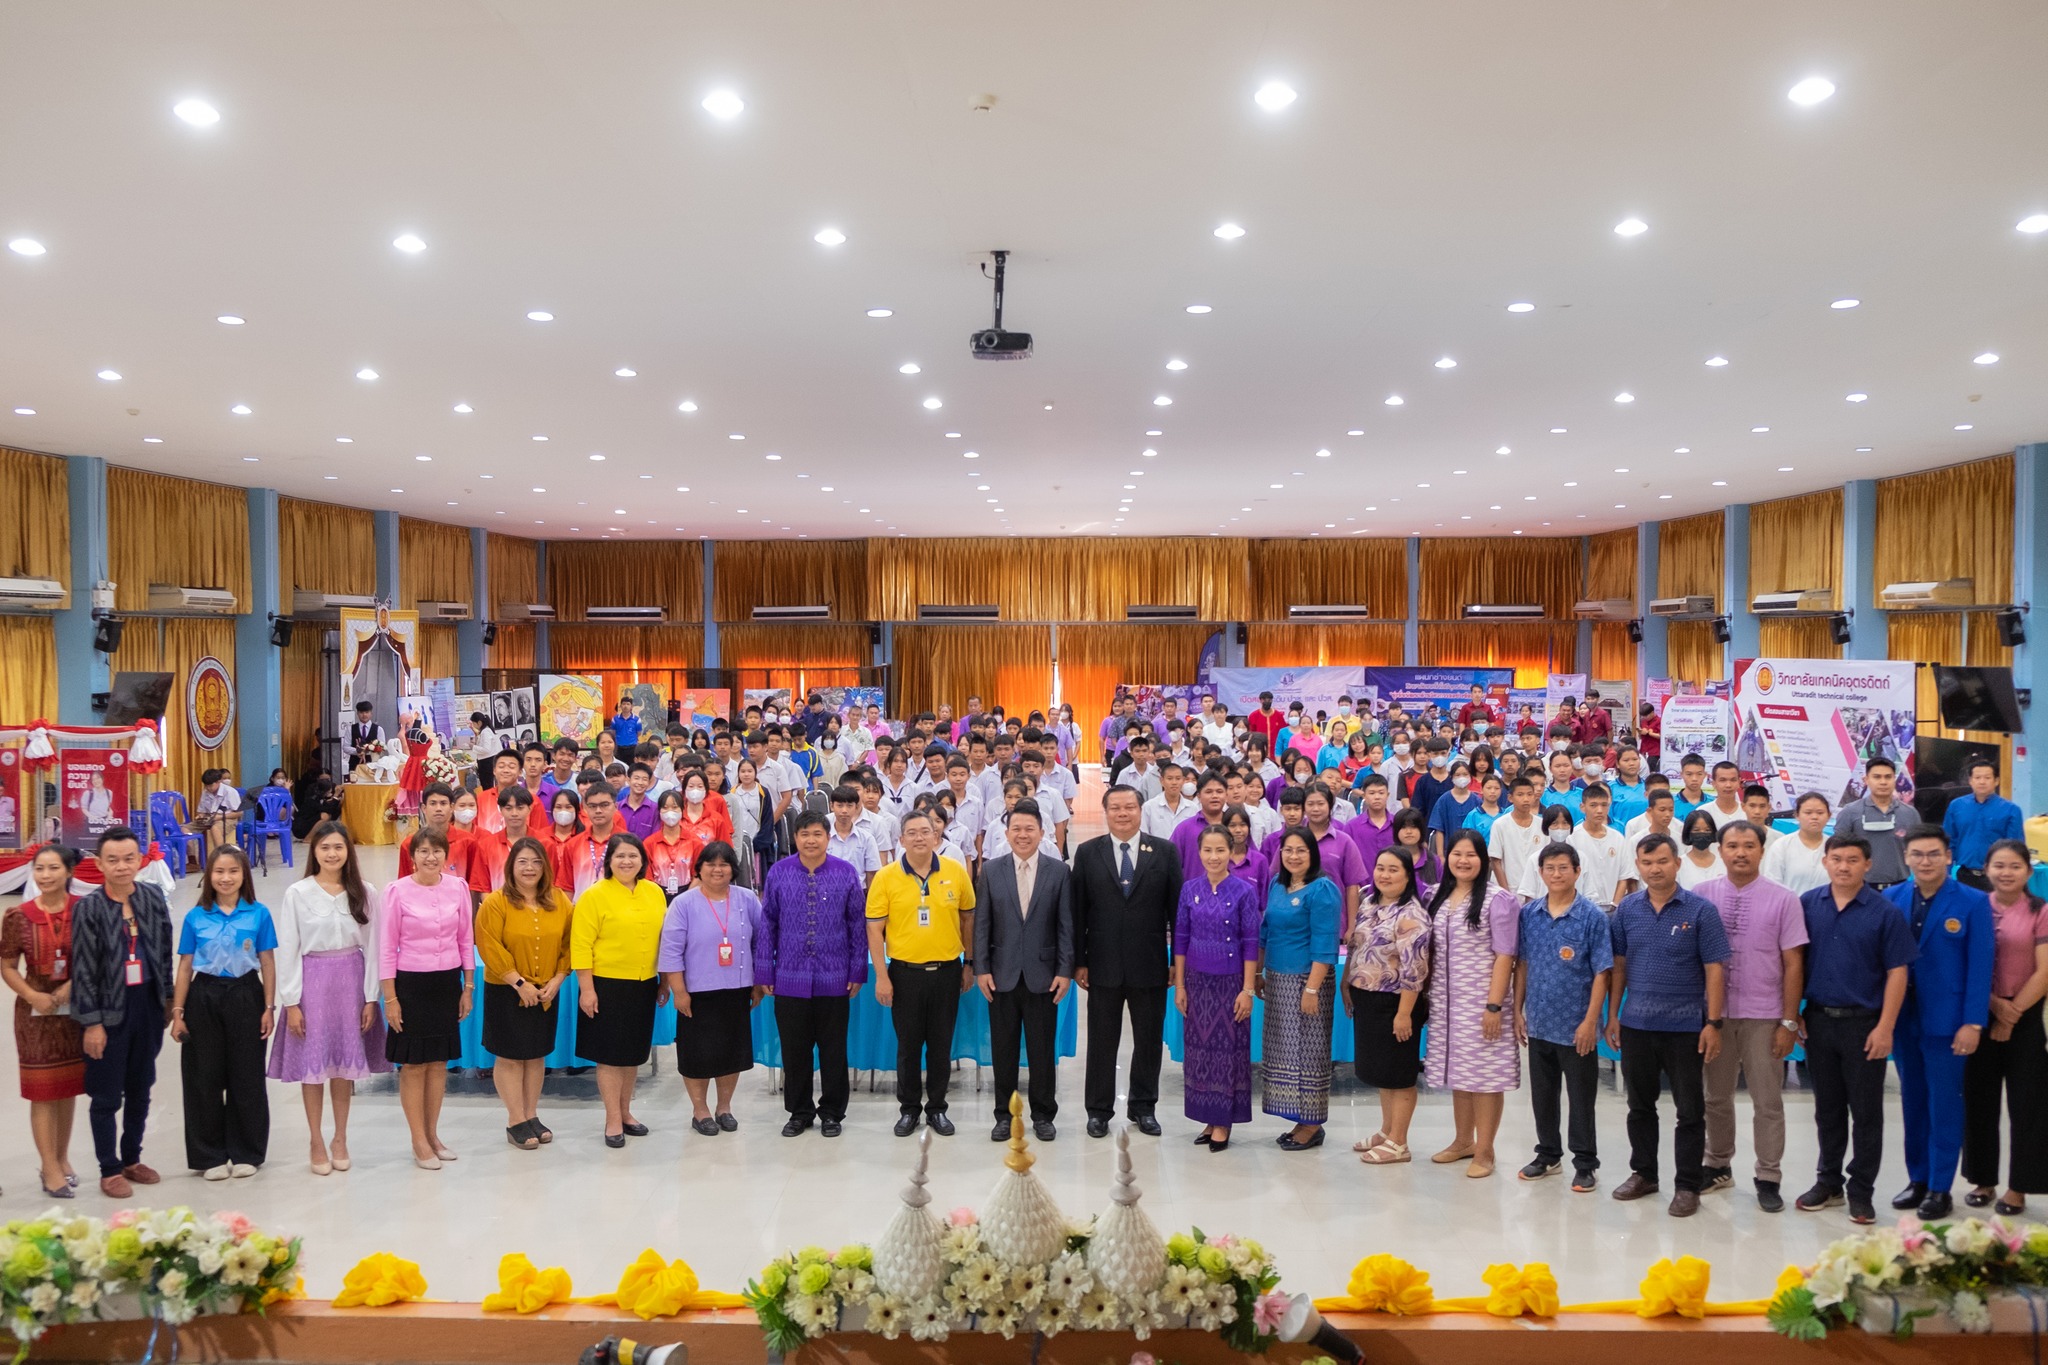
[
  {"x": 1766, "y": 930},
  {"x": 640, "y": 816},
  {"x": 1373, "y": 830},
  {"x": 1187, "y": 835},
  {"x": 814, "y": 962}
]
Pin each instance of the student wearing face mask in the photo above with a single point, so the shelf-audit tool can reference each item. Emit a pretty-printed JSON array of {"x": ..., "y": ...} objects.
[
  {"x": 1702, "y": 861},
  {"x": 1161, "y": 815},
  {"x": 565, "y": 822},
  {"x": 671, "y": 854},
  {"x": 1433, "y": 780},
  {"x": 1447, "y": 816}
]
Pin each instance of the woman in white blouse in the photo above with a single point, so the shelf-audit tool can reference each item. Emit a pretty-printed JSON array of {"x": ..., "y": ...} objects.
[
  {"x": 1794, "y": 861},
  {"x": 333, "y": 1034}
]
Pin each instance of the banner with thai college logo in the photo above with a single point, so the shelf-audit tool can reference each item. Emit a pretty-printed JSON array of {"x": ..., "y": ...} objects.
[
  {"x": 1805, "y": 725},
  {"x": 210, "y": 703},
  {"x": 1557, "y": 687},
  {"x": 1317, "y": 689},
  {"x": 92, "y": 793}
]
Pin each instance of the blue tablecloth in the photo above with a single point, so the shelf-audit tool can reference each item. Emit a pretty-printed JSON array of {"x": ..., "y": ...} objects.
[{"x": 475, "y": 1058}]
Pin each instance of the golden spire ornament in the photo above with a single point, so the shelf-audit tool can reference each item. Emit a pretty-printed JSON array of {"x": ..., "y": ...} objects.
[
  {"x": 1021, "y": 1226},
  {"x": 1020, "y": 1159}
]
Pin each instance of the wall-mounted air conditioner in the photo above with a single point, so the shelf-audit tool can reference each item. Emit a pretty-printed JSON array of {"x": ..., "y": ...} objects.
[
  {"x": 444, "y": 611},
  {"x": 308, "y": 603},
  {"x": 1805, "y": 602},
  {"x": 525, "y": 611},
  {"x": 171, "y": 597},
  {"x": 1503, "y": 611},
  {"x": 31, "y": 592},
  {"x": 975, "y": 611},
  {"x": 1605, "y": 609},
  {"x": 1159, "y": 611},
  {"x": 1953, "y": 592},
  {"x": 816, "y": 612},
  {"x": 1334, "y": 611},
  {"x": 642, "y": 615},
  {"x": 1683, "y": 608}
]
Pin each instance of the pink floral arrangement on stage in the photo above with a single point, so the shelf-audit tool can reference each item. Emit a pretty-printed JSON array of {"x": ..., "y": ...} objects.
[{"x": 1966, "y": 1276}]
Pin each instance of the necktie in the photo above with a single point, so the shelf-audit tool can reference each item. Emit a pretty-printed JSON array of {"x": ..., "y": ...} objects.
[{"x": 1124, "y": 871}]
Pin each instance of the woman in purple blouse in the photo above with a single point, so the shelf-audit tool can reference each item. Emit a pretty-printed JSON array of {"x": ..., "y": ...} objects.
[
  {"x": 709, "y": 944},
  {"x": 1383, "y": 994},
  {"x": 1215, "y": 965}
]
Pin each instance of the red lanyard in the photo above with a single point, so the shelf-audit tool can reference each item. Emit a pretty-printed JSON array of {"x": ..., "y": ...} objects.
[{"x": 724, "y": 918}]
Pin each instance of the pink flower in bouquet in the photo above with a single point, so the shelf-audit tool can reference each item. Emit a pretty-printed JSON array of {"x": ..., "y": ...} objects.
[
  {"x": 125, "y": 1218},
  {"x": 2003, "y": 1231},
  {"x": 962, "y": 1217},
  {"x": 237, "y": 1224},
  {"x": 1268, "y": 1309},
  {"x": 1913, "y": 1234},
  {"x": 1223, "y": 1243}
]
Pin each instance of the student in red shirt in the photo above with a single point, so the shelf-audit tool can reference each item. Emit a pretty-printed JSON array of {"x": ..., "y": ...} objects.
[
  {"x": 489, "y": 850},
  {"x": 437, "y": 813},
  {"x": 1479, "y": 711},
  {"x": 1266, "y": 722}
]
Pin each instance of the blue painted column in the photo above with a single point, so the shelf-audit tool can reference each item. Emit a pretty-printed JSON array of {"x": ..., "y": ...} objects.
[
  {"x": 1744, "y": 630},
  {"x": 386, "y": 527},
  {"x": 1869, "y": 635},
  {"x": 1653, "y": 654},
  {"x": 1411, "y": 629},
  {"x": 469, "y": 635},
  {"x": 2029, "y": 585},
  {"x": 1585, "y": 626},
  {"x": 541, "y": 657},
  {"x": 259, "y": 665},
  {"x": 710, "y": 613},
  {"x": 80, "y": 671},
  {"x": 885, "y": 648}
]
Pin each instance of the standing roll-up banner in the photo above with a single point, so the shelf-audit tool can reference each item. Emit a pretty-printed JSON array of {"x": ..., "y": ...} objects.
[{"x": 1805, "y": 725}]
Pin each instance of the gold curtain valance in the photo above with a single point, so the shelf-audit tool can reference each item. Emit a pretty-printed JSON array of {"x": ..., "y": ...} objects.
[
  {"x": 1457, "y": 571},
  {"x": 1009, "y": 666},
  {"x": 1371, "y": 644},
  {"x": 434, "y": 564},
  {"x": 324, "y": 547},
  {"x": 1611, "y": 566},
  {"x": 1689, "y": 557},
  {"x": 1372, "y": 573},
  {"x": 790, "y": 573},
  {"x": 626, "y": 573},
  {"x": 177, "y": 531},
  {"x": 1796, "y": 544},
  {"x": 614, "y": 649},
  {"x": 1059, "y": 578},
  {"x": 1948, "y": 523},
  {"x": 35, "y": 535}
]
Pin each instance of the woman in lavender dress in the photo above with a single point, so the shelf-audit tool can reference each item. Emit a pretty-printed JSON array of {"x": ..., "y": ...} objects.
[
  {"x": 1473, "y": 934},
  {"x": 1215, "y": 966}
]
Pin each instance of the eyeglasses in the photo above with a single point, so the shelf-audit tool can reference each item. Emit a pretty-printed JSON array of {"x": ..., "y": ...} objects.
[{"x": 1928, "y": 854}]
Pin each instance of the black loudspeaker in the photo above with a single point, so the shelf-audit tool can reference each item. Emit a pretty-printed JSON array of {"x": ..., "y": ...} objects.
[
  {"x": 1244, "y": 634},
  {"x": 1838, "y": 627},
  {"x": 1721, "y": 632},
  {"x": 106, "y": 634},
  {"x": 2012, "y": 627},
  {"x": 281, "y": 631},
  {"x": 1635, "y": 632},
  {"x": 874, "y": 635},
  {"x": 490, "y": 633}
]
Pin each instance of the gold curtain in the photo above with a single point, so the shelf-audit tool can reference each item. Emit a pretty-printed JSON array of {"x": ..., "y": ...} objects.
[
  {"x": 299, "y": 720},
  {"x": 1531, "y": 648},
  {"x": 1796, "y": 543},
  {"x": 1614, "y": 654},
  {"x": 1689, "y": 559},
  {"x": 324, "y": 547},
  {"x": 1059, "y": 578},
  {"x": 1611, "y": 568},
  {"x": 1796, "y": 637},
  {"x": 1010, "y": 666},
  {"x": 626, "y": 573},
  {"x": 1372, "y": 644},
  {"x": 1457, "y": 570},
  {"x": 514, "y": 648},
  {"x": 628, "y": 649},
  {"x": 1372, "y": 573},
  {"x": 440, "y": 654},
  {"x": 1932, "y": 637},
  {"x": 1948, "y": 523},
  {"x": 513, "y": 563},
  {"x": 1695, "y": 658},
  {"x": 178, "y": 531},
  {"x": 28, "y": 669},
  {"x": 790, "y": 573},
  {"x": 1094, "y": 659},
  {"x": 174, "y": 645},
  {"x": 794, "y": 654},
  {"x": 35, "y": 535},
  {"x": 434, "y": 565}
]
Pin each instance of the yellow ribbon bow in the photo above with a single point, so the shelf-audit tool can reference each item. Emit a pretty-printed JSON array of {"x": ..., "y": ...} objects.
[
  {"x": 653, "y": 1287},
  {"x": 1384, "y": 1284},
  {"x": 1532, "y": 1289},
  {"x": 1675, "y": 1287},
  {"x": 379, "y": 1279},
  {"x": 525, "y": 1288}
]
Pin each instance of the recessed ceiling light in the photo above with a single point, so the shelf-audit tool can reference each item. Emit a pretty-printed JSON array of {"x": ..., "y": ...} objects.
[
  {"x": 198, "y": 113},
  {"x": 540, "y": 315},
  {"x": 682, "y": 488},
  {"x": 230, "y": 320},
  {"x": 933, "y": 404},
  {"x": 1148, "y": 452},
  {"x": 24, "y": 412},
  {"x": 723, "y": 104},
  {"x": 423, "y": 459},
  {"x": 152, "y": 440},
  {"x": 1758, "y": 431},
  {"x": 240, "y": 409},
  {"x": 1162, "y": 401},
  {"x": 1784, "y": 469},
  {"x": 1862, "y": 450},
  {"x": 398, "y": 490},
  {"x": 540, "y": 490},
  {"x": 864, "y": 509},
  {"x": 687, "y": 405},
  {"x": 618, "y": 511},
  {"x": 110, "y": 375},
  {"x": 1495, "y": 507},
  {"x": 773, "y": 456},
  {"x": 826, "y": 488},
  {"x": 409, "y": 243},
  {"x": 1619, "y": 506},
  {"x": 1621, "y": 469},
  {"x": 540, "y": 438},
  {"x": 1192, "y": 308},
  {"x": 366, "y": 373},
  {"x": 624, "y": 373},
  {"x": 1273, "y": 96},
  {"x": 736, "y": 436},
  {"x": 29, "y": 246},
  {"x": 1323, "y": 454},
  {"x": 1964, "y": 426},
  {"x": 344, "y": 440},
  {"x": 908, "y": 367},
  {"x": 1521, "y": 308},
  {"x": 1176, "y": 364},
  {"x": 1682, "y": 450},
  {"x": 1812, "y": 90},
  {"x": 464, "y": 407},
  {"x": 1624, "y": 398},
  {"x": 1720, "y": 483},
  {"x": 828, "y": 236},
  {"x": 251, "y": 459},
  {"x": 1717, "y": 361},
  {"x": 1447, "y": 364},
  {"x": 1842, "y": 304},
  {"x": 1503, "y": 450},
  {"x": 1395, "y": 400},
  {"x": 1229, "y": 232},
  {"x": 1571, "y": 483},
  {"x": 2033, "y": 222},
  {"x": 1528, "y": 497},
  {"x": 1557, "y": 431},
  {"x": 595, "y": 456},
  {"x": 1664, "y": 497},
  {"x": 1988, "y": 358},
  {"x": 881, "y": 312},
  {"x": 1631, "y": 227}
]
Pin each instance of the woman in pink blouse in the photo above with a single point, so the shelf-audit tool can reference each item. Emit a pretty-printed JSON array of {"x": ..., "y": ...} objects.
[
  {"x": 2010, "y": 1061},
  {"x": 1383, "y": 994},
  {"x": 425, "y": 956}
]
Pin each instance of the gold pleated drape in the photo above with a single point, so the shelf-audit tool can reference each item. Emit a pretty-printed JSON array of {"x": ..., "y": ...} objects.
[
  {"x": 1796, "y": 637},
  {"x": 434, "y": 565},
  {"x": 1689, "y": 551},
  {"x": 1370, "y": 643},
  {"x": 1948, "y": 523},
  {"x": 35, "y": 535},
  {"x": 28, "y": 669},
  {"x": 324, "y": 547},
  {"x": 1611, "y": 567},
  {"x": 514, "y": 648},
  {"x": 626, "y": 573},
  {"x": 513, "y": 563},
  {"x": 1796, "y": 544},
  {"x": 299, "y": 720},
  {"x": 1058, "y": 578},
  {"x": 1614, "y": 654},
  {"x": 1531, "y": 648},
  {"x": 1009, "y": 666},
  {"x": 440, "y": 652},
  {"x": 796, "y": 654},
  {"x": 1930, "y": 637},
  {"x": 790, "y": 573},
  {"x": 1457, "y": 571},
  {"x": 1370, "y": 572},
  {"x": 174, "y": 645},
  {"x": 177, "y": 531},
  {"x": 1094, "y": 659},
  {"x": 1694, "y": 657},
  {"x": 622, "y": 649}
]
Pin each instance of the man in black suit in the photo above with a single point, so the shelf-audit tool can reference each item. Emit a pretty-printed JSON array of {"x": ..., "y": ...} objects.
[
  {"x": 1024, "y": 962},
  {"x": 363, "y": 734},
  {"x": 1126, "y": 889}
]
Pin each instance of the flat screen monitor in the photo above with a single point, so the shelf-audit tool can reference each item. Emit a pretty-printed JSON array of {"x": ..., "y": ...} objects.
[
  {"x": 1941, "y": 772},
  {"x": 1978, "y": 699},
  {"x": 137, "y": 696}
]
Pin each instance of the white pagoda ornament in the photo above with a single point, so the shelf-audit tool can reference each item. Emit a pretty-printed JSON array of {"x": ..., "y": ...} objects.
[
  {"x": 1021, "y": 1226},
  {"x": 1126, "y": 1253},
  {"x": 908, "y": 1261}
]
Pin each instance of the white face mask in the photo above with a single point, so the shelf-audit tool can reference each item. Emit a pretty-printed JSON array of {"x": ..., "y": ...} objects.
[
  {"x": 565, "y": 817},
  {"x": 1343, "y": 710},
  {"x": 1558, "y": 746},
  {"x": 671, "y": 817},
  {"x": 1187, "y": 789},
  {"x": 1461, "y": 782},
  {"x": 1593, "y": 772},
  {"x": 830, "y": 744},
  {"x": 1439, "y": 760},
  {"x": 1558, "y": 836},
  {"x": 1469, "y": 745},
  {"x": 694, "y": 795},
  {"x": 1401, "y": 749},
  {"x": 464, "y": 814}
]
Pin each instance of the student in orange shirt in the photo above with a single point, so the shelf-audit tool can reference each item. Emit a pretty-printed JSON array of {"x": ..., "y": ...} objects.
[
  {"x": 437, "y": 813},
  {"x": 489, "y": 850}
]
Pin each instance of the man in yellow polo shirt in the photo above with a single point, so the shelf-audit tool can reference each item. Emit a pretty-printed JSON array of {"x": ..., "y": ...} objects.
[{"x": 920, "y": 914}]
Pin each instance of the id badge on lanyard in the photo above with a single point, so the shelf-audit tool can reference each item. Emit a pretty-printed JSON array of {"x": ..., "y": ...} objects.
[
  {"x": 924, "y": 911},
  {"x": 725, "y": 952},
  {"x": 134, "y": 961}
]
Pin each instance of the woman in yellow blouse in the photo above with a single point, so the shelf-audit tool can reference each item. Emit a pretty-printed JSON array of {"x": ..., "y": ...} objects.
[
  {"x": 522, "y": 934},
  {"x": 614, "y": 938}
]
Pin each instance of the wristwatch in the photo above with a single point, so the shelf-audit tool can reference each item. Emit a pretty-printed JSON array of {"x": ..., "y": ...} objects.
[
  {"x": 1717, "y": 1023},
  {"x": 1492, "y": 1008},
  {"x": 1789, "y": 1025}
]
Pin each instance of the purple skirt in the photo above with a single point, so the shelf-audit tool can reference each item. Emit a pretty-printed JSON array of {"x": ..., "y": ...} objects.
[
  {"x": 1217, "y": 1071},
  {"x": 334, "y": 1047}
]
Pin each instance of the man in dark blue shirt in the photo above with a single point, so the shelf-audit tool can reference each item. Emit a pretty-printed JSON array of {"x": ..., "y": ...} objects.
[
  {"x": 1858, "y": 950},
  {"x": 1670, "y": 945}
]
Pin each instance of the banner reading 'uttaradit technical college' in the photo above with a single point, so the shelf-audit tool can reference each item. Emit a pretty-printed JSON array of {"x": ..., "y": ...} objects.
[{"x": 1806, "y": 725}]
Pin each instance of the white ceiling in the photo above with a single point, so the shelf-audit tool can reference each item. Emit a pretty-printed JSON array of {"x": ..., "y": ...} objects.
[{"x": 1441, "y": 162}]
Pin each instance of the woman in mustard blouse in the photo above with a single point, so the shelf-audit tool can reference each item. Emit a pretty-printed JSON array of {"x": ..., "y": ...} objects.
[
  {"x": 614, "y": 938},
  {"x": 522, "y": 934}
]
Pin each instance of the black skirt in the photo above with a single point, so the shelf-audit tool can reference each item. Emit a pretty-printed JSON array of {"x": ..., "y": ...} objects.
[
  {"x": 1380, "y": 1058},
  {"x": 427, "y": 1005},
  {"x": 622, "y": 1033},
  {"x": 516, "y": 1032},
  {"x": 716, "y": 1038}
]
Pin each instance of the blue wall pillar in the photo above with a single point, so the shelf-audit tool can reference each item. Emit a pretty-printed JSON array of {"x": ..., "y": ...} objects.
[
  {"x": 386, "y": 526},
  {"x": 1869, "y": 637},
  {"x": 1411, "y": 630},
  {"x": 1653, "y": 654},
  {"x": 1745, "y": 638},
  {"x": 1585, "y": 651},
  {"x": 2029, "y": 586},
  {"x": 542, "y": 658},
  {"x": 469, "y": 635},
  {"x": 259, "y": 665},
  {"x": 80, "y": 671},
  {"x": 711, "y": 655}
]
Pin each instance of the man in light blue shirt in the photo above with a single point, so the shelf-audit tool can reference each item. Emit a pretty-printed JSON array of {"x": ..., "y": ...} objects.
[{"x": 1975, "y": 822}]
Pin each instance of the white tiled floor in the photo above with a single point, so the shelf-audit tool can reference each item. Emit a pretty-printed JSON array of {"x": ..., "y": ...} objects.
[{"x": 728, "y": 1203}]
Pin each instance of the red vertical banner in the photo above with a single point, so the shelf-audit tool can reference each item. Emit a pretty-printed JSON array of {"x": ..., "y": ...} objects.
[
  {"x": 11, "y": 816},
  {"x": 92, "y": 789}
]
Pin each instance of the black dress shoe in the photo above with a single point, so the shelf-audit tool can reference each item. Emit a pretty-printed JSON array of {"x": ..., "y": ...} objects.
[
  {"x": 906, "y": 1124},
  {"x": 1044, "y": 1130},
  {"x": 1001, "y": 1132},
  {"x": 728, "y": 1123},
  {"x": 1288, "y": 1144},
  {"x": 634, "y": 1129},
  {"x": 1978, "y": 1199},
  {"x": 1219, "y": 1144},
  {"x": 708, "y": 1127},
  {"x": 828, "y": 1128},
  {"x": 1097, "y": 1127},
  {"x": 1910, "y": 1197},
  {"x": 1768, "y": 1198},
  {"x": 940, "y": 1124},
  {"x": 1939, "y": 1204},
  {"x": 614, "y": 1139},
  {"x": 795, "y": 1127},
  {"x": 1147, "y": 1124}
]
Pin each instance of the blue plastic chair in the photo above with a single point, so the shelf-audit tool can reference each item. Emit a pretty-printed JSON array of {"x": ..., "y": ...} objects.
[
  {"x": 245, "y": 828},
  {"x": 271, "y": 818},
  {"x": 167, "y": 821}
]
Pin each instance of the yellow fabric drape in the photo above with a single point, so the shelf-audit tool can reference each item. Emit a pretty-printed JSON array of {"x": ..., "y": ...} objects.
[
  {"x": 1948, "y": 523},
  {"x": 632, "y": 573},
  {"x": 1373, "y": 644},
  {"x": 1457, "y": 571},
  {"x": 1058, "y": 578},
  {"x": 1695, "y": 658},
  {"x": 1796, "y": 637},
  {"x": 440, "y": 653},
  {"x": 1531, "y": 648},
  {"x": 797, "y": 654},
  {"x": 1371, "y": 572},
  {"x": 1614, "y": 655},
  {"x": 623, "y": 649},
  {"x": 1094, "y": 659},
  {"x": 434, "y": 564},
  {"x": 300, "y": 721},
  {"x": 324, "y": 547},
  {"x": 1930, "y": 637},
  {"x": 1689, "y": 558},
  {"x": 1611, "y": 567},
  {"x": 28, "y": 669},
  {"x": 35, "y": 535},
  {"x": 513, "y": 563},
  {"x": 1796, "y": 544},
  {"x": 174, "y": 645},
  {"x": 177, "y": 531},
  {"x": 1010, "y": 666},
  {"x": 790, "y": 573},
  {"x": 514, "y": 648}
]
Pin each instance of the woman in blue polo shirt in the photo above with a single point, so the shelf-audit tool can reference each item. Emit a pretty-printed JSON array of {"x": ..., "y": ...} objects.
[{"x": 223, "y": 1011}]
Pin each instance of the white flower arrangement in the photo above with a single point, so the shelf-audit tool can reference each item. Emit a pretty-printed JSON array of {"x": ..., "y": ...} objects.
[{"x": 1920, "y": 1269}]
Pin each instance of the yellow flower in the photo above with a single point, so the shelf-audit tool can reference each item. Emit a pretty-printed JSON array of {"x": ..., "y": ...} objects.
[
  {"x": 813, "y": 1279},
  {"x": 1212, "y": 1262},
  {"x": 525, "y": 1288},
  {"x": 1531, "y": 1290},
  {"x": 1388, "y": 1284},
  {"x": 280, "y": 1294},
  {"x": 1679, "y": 1287},
  {"x": 379, "y": 1279}
]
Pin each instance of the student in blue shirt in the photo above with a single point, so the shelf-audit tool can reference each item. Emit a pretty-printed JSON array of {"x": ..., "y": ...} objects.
[
  {"x": 223, "y": 1011},
  {"x": 1975, "y": 822},
  {"x": 625, "y": 726},
  {"x": 1631, "y": 793},
  {"x": 1564, "y": 787},
  {"x": 1692, "y": 793},
  {"x": 1448, "y": 815},
  {"x": 1564, "y": 956}
]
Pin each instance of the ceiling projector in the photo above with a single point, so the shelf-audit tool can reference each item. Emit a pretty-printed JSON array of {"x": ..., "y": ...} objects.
[{"x": 993, "y": 343}]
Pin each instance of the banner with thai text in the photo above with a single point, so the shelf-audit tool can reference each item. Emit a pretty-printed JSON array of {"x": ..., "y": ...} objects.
[{"x": 1804, "y": 725}]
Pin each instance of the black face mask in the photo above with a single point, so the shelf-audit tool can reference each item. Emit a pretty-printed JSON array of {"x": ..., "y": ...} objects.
[{"x": 1701, "y": 839}]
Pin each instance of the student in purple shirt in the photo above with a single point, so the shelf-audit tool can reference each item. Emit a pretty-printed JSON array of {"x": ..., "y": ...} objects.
[
  {"x": 814, "y": 960},
  {"x": 1373, "y": 830},
  {"x": 637, "y": 813},
  {"x": 1187, "y": 835}
]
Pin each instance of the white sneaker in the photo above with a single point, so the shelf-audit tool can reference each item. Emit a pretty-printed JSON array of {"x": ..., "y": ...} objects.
[
  {"x": 220, "y": 1172},
  {"x": 242, "y": 1170}
]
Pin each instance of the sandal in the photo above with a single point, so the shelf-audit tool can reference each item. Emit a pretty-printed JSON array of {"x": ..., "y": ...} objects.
[
  {"x": 1376, "y": 1140},
  {"x": 520, "y": 1135},
  {"x": 1388, "y": 1153},
  {"x": 542, "y": 1131}
]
